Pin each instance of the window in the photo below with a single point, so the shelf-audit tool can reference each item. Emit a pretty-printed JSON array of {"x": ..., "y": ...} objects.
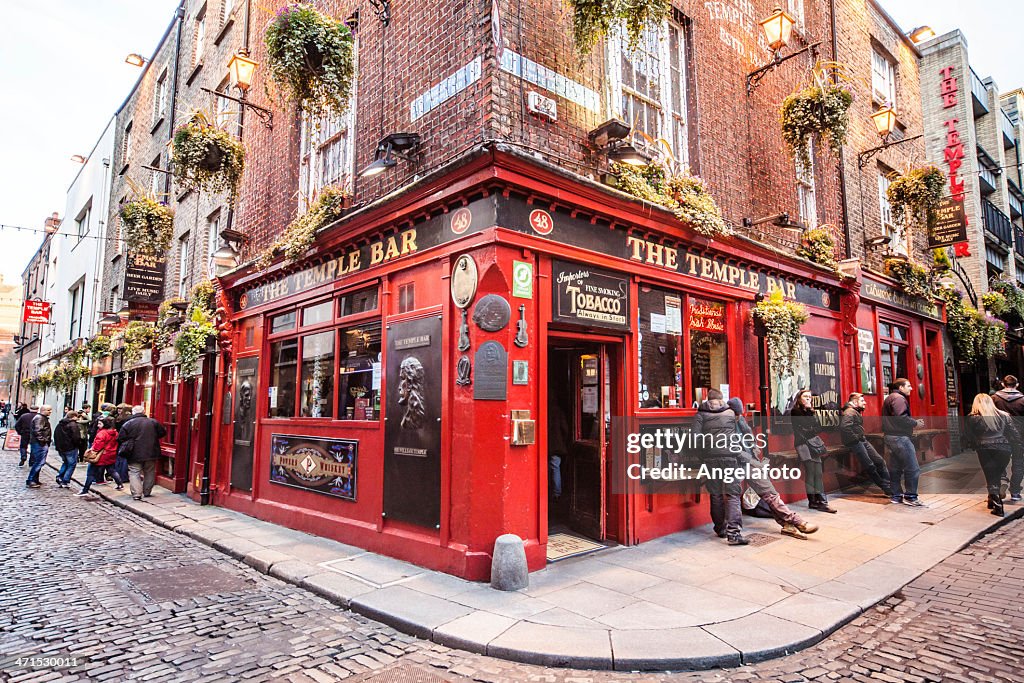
[
  {"x": 225, "y": 11},
  {"x": 648, "y": 89},
  {"x": 77, "y": 300},
  {"x": 160, "y": 98},
  {"x": 796, "y": 10},
  {"x": 896, "y": 241},
  {"x": 198, "y": 38},
  {"x": 883, "y": 79},
  {"x": 327, "y": 367},
  {"x": 221, "y": 105},
  {"x": 805, "y": 190},
  {"x": 114, "y": 304},
  {"x": 169, "y": 397},
  {"x": 183, "y": 265},
  {"x": 156, "y": 179},
  {"x": 213, "y": 228},
  {"x": 407, "y": 297},
  {"x": 893, "y": 348},
  {"x": 126, "y": 145},
  {"x": 327, "y": 155},
  {"x": 683, "y": 349},
  {"x": 82, "y": 222}
]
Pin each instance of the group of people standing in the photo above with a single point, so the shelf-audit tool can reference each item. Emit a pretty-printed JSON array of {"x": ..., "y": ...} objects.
[{"x": 118, "y": 441}]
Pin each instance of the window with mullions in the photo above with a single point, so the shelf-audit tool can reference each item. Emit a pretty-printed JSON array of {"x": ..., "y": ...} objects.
[
  {"x": 892, "y": 346},
  {"x": 359, "y": 373}
]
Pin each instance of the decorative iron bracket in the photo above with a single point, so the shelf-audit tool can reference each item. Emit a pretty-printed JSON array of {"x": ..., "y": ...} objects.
[
  {"x": 264, "y": 114},
  {"x": 382, "y": 8},
  {"x": 863, "y": 157},
  {"x": 755, "y": 76}
]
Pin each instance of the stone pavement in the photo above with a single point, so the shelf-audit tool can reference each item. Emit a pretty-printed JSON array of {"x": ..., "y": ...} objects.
[{"x": 687, "y": 601}]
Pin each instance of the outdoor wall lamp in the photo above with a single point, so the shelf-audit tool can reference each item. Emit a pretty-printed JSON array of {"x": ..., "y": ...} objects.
[
  {"x": 878, "y": 242},
  {"x": 779, "y": 219},
  {"x": 109, "y": 318},
  {"x": 621, "y": 152},
  {"x": 611, "y": 137},
  {"x": 226, "y": 257},
  {"x": 921, "y": 34},
  {"x": 241, "y": 71},
  {"x": 401, "y": 145},
  {"x": 78, "y": 158},
  {"x": 778, "y": 29},
  {"x": 885, "y": 123},
  {"x": 135, "y": 59}
]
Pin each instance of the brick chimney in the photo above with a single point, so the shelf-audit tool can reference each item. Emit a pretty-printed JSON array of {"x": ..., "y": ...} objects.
[{"x": 52, "y": 223}]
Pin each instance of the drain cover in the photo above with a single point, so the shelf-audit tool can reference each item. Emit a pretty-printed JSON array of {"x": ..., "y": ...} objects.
[
  {"x": 761, "y": 539},
  {"x": 162, "y": 585},
  {"x": 410, "y": 674}
]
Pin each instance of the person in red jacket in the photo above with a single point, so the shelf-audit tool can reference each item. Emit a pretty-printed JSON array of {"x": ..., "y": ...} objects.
[{"x": 105, "y": 444}]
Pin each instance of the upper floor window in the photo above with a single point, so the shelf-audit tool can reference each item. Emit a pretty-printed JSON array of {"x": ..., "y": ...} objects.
[
  {"x": 160, "y": 98},
  {"x": 222, "y": 105},
  {"x": 183, "y": 265},
  {"x": 883, "y": 79},
  {"x": 155, "y": 178},
  {"x": 126, "y": 145},
  {"x": 896, "y": 242},
  {"x": 198, "y": 37},
  {"x": 82, "y": 222},
  {"x": 796, "y": 10},
  {"x": 805, "y": 190},
  {"x": 77, "y": 300},
  {"x": 225, "y": 11},
  {"x": 648, "y": 90},
  {"x": 213, "y": 228},
  {"x": 327, "y": 155}
]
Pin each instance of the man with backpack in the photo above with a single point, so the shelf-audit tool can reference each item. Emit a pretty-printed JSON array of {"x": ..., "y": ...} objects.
[{"x": 1010, "y": 400}]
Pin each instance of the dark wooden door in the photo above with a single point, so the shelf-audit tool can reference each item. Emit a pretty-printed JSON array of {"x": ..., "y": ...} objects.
[{"x": 587, "y": 469}]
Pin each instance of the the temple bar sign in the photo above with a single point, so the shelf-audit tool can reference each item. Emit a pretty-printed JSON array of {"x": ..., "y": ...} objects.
[{"x": 950, "y": 224}]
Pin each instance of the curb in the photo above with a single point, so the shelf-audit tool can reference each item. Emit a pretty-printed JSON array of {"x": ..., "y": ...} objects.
[{"x": 345, "y": 592}]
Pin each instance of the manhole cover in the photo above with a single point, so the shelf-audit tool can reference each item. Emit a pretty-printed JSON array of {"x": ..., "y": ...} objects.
[
  {"x": 410, "y": 674},
  {"x": 162, "y": 585},
  {"x": 761, "y": 539}
]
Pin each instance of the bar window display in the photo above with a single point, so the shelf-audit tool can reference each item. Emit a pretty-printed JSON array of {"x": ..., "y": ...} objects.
[
  {"x": 661, "y": 372},
  {"x": 709, "y": 362},
  {"x": 360, "y": 372},
  {"x": 284, "y": 356},
  {"x": 317, "y": 398}
]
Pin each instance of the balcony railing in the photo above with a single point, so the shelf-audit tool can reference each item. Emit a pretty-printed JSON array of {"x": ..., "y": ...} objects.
[
  {"x": 1009, "y": 134},
  {"x": 1016, "y": 199},
  {"x": 987, "y": 179},
  {"x": 1018, "y": 242},
  {"x": 997, "y": 223},
  {"x": 980, "y": 95}
]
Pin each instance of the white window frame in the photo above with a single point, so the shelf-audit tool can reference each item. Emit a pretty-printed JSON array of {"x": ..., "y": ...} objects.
[
  {"x": 77, "y": 308},
  {"x": 154, "y": 179},
  {"x": 183, "y": 265},
  {"x": 897, "y": 243},
  {"x": 672, "y": 125},
  {"x": 213, "y": 229},
  {"x": 883, "y": 79},
  {"x": 199, "y": 38},
  {"x": 160, "y": 98},
  {"x": 126, "y": 144},
  {"x": 225, "y": 11},
  {"x": 796, "y": 10},
  {"x": 806, "y": 190},
  {"x": 82, "y": 222}
]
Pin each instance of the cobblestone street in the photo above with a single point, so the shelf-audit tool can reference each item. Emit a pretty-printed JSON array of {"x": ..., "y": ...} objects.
[{"x": 127, "y": 600}]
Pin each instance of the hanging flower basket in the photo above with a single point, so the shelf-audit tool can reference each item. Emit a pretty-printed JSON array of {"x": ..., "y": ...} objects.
[
  {"x": 148, "y": 226},
  {"x": 782, "y": 321},
  {"x": 98, "y": 347},
  {"x": 915, "y": 195},
  {"x": 683, "y": 194},
  {"x": 913, "y": 277},
  {"x": 168, "y": 320},
  {"x": 819, "y": 246},
  {"x": 976, "y": 336},
  {"x": 822, "y": 110},
  {"x": 1012, "y": 294},
  {"x": 593, "y": 19},
  {"x": 311, "y": 59},
  {"x": 300, "y": 234},
  {"x": 191, "y": 339},
  {"x": 137, "y": 337},
  {"x": 207, "y": 158}
]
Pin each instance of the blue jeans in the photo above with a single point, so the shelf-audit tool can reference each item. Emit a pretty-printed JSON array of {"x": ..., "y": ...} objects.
[
  {"x": 93, "y": 474},
  {"x": 23, "y": 449},
  {"x": 903, "y": 467},
  {"x": 36, "y": 462},
  {"x": 555, "y": 469},
  {"x": 68, "y": 468},
  {"x": 872, "y": 464}
]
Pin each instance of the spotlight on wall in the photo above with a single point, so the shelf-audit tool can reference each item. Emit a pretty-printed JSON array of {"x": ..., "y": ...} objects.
[
  {"x": 921, "y": 34},
  {"x": 622, "y": 152},
  {"x": 135, "y": 59},
  {"x": 609, "y": 131},
  {"x": 78, "y": 158},
  {"x": 401, "y": 145},
  {"x": 878, "y": 242}
]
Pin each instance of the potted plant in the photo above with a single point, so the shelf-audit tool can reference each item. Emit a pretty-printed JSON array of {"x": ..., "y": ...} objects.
[
  {"x": 593, "y": 19},
  {"x": 300, "y": 234},
  {"x": 206, "y": 157},
  {"x": 311, "y": 58},
  {"x": 819, "y": 246},
  {"x": 148, "y": 226},
  {"x": 913, "y": 277},
  {"x": 821, "y": 110},
  {"x": 683, "y": 194},
  {"x": 781, "y": 321},
  {"x": 915, "y": 195}
]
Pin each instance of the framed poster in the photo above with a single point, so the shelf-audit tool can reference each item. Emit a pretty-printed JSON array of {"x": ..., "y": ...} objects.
[
  {"x": 817, "y": 369},
  {"x": 326, "y": 466},
  {"x": 868, "y": 368},
  {"x": 412, "y": 426},
  {"x": 586, "y": 296}
]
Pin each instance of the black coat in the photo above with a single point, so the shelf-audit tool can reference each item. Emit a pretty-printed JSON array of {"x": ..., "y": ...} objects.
[
  {"x": 23, "y": 425},
  {"x": 139, "y": 439},
  {"x": 1010, "y": 401},
  {"x": 67, "y": 436},
  {"x": 40, "y": 431},
  {"x": 851, "y": 426},
  {"x": 717, "y": 421},
  {"x": 805, "y": 425},
  {"x": 992, "y": 433}
]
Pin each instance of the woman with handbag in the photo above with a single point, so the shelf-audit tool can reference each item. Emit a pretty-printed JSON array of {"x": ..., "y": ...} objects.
[
  {"x": 810, "y": 447},
  {"x": 102, "y": 455},
  {"x": 993, "y": 434}
]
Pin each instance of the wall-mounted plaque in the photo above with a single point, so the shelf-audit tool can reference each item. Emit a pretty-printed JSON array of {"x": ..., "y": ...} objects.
[
  {"x": 144, "y": 278},
  {"x": 950, "y": 224},
  {"x": 491, "y": 380},
  {"x": 586, "y": 296},
  {"x": 492, "y": 313},
  {"x": 326, "y": 466},
  {"x": 464, "y": 281}
]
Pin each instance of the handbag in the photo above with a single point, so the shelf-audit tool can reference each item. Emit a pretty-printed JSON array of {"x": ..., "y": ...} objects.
[
  {"x": 92, "y": 457},
  {"x": 816, "y": 446}
]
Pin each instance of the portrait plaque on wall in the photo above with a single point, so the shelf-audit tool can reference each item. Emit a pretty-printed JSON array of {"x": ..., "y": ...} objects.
[
  {"x": 247, "y": 372},
  {"x": 412, "y": 427},
  {"x": 491, "y": 372}
]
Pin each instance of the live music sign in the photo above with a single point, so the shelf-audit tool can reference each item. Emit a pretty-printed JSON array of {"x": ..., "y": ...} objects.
[{"x": 37, "y": 312}]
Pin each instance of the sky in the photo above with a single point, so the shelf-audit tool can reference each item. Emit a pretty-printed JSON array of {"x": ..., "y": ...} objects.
[{"x": 63, "y": 76}]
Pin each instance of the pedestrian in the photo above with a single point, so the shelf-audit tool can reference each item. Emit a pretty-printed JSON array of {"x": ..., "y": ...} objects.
[
  {"x": 23, "y": 426},
  {"x": 1010, "y": 400},
  {"x": 106, "y": 410},
  {"x": 84, "y": 418},
  {"x": 792, "y": 524},
  {"x": 123, "y": 414},
  {"x": 105, "y": 446},
  {"x": 897, "y": 427},
  {"x": 810, "y": 448},
  {"x": 992, "y": 433},
  {"x": 716, "y": 422},
  {"x": 558, "y": 448},
  {"x": 5, "y": 412},
  {"x": 851, "y": 430},
  {"x": 66, "y": 439},
  {"x": 22, "y": 409},
  {"x": 40, "y": 436},
  {"x": 139, "y": 441}
]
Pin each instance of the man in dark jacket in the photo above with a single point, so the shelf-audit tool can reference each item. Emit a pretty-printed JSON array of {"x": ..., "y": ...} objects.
[
  {"x": 1010, "y": 400},
  {"x": 851, "y": 430},
  {"x": 67, "y": 438},
  {"x": 898, "y": 426},
  {"x": 714, "y": 431},
  {"x": 139, "y": 441},
  {"x": 23, "y": 426},
  {"x": 40, "y": 436}
]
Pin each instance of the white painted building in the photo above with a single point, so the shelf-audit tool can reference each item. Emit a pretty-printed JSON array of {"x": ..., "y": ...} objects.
[{"x": 75, "y": 268}]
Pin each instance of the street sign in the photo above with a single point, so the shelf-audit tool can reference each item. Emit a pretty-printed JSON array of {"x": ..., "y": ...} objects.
[
  {"x": 37, "y": 312},
  {"x": 950, "y": 225}
]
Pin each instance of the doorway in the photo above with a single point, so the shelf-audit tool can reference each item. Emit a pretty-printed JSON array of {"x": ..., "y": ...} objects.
[{"x": 584, "y": 392}]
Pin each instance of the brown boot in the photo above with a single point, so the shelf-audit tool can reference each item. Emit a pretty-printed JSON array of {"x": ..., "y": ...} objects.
[
  {"x": 790, "y": 530},
  {"x": 807, "y": 527}
]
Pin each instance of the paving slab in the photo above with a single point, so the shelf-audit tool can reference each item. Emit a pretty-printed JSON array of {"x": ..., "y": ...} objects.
[
  {"x": 337, "y": 588},
  {"x": 554, "y": 646},
  {"x": 473, "y": 631},
  {"x": 763, "y": 636},
  {"x": 815, "y": 611},
  {"x": 408, "y": 610},
  {"x": 677, "y": 648}
]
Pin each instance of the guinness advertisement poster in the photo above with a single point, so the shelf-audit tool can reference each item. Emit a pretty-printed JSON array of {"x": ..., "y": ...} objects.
[
  {"x": 326, "y": 466},
  {"x": 144, "y": 278},
  {"x": 412, "y": 428},
  {"x": 817, "y": 369},
  {"x": 587, "y": 296}
]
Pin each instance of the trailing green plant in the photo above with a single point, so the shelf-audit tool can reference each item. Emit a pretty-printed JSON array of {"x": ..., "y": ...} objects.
[
  {"x": 941, "y": 261},
  {"x": 68, "y": 373},
  {"x": 1014, "y": 296},
  {"x": 206, "y": 157},
  {"x": 593, "y": 19},
  {"x": 822, "y": 111},
  {"x": 913, "y": 277},
  {"x": 683, "y": 194},
  {"x": 975, "y": 334},
  {"x": 915, "y": 195},
  {"x": 300, "y": 234},
  {"x": 167, "y": 322},
  {"x": 137, "y": 336},
  {"x": 782, "y": 321},
  {"x": 148, "y": 226},
  {"x": 311, "y": 58},
  {"x": 98, "y": 347},
  {"x": 199, "y": 327},
  {"x": 819, "y": 246},
  {"x": 995, "y": 303}
]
